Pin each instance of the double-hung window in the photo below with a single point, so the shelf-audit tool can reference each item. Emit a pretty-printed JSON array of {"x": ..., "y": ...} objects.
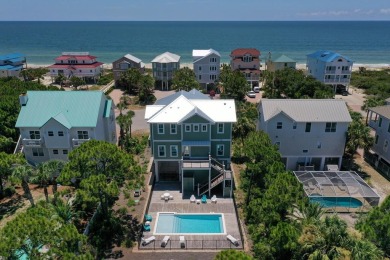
[
  {"x": 220, "y": 128},
  {"x": 330, "y": 127},
  {"x": 173, "y": 129},
  {"x": 174, "y": 151},
  {"x": 160, "y": 128},
  {"x": 187, "y": 127},
  {"x": 82, "y": 134},
  {"x": 279, "y": 125},
  {"x": 204, "y": 128},
  {"x": 161, "y": 150},
  {"x": 37, "y": 152},
  {"x": 35, "y": 135},
  {"x": 220, "y": 149},
  {"x": 196, "y": 127}
]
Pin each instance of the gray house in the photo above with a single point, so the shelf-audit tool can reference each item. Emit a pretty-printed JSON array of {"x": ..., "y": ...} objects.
[
  {"x": 164, "y": 65},
  {"x": 190, "y": 137},
  {"x": 308, "y": 132},
  {"x": 206, "y": 66},
  {"x": 126, "y": 62}
]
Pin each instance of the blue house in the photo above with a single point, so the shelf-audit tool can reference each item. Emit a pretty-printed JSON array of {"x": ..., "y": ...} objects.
[
  {"x": 330, "y": 68},
  {"x": 12, "y": 64}
]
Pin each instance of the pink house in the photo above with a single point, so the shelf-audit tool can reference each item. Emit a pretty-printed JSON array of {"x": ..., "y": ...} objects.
[{"x": 247, "y": 60}]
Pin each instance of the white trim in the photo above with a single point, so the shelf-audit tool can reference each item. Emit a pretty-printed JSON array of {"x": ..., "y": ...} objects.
[
  {"x": 177, "y": 150},
  {"x": 159, "y": 141},
  {"x": 158, "y": 129},
  {"x": 201, "y": 127},
  {"x": 185, "y": 128},
  {"x": 170, "y": 129},
  {"x": 194, "y": 126},
  {"x": 158, "y": 151},
  {"x": 223, "y": 128},
  {"x": 223, "y": 149}
]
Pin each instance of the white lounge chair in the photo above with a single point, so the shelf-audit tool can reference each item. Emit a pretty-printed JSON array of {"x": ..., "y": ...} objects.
[
  {"x": 192, "y": 199},
  {"x": 148, "y": 240},
  {"x": 182, "y": 242},
  {"x": 232, "y": 239},
  {"x": 163, "y": 197},
  {"x": 164, "y": 242},
  {"x": 214, "y": 199},
  {"x": 171, "y": 197}
]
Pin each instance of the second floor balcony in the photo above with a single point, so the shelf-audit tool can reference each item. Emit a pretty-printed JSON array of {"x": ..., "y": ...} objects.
[
  {"x": 78, "y": 142},
  {"x": 32, "y": 142}
]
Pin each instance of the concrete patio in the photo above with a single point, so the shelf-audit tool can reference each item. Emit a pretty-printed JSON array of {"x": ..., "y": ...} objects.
[{"x": 183, "y": 205}]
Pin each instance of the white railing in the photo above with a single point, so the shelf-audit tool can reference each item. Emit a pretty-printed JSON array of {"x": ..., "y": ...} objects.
[
  {"x": 32, "y": 142},
  {"x": 78, "y": 142},
  {"x": 19, "y": 146}
]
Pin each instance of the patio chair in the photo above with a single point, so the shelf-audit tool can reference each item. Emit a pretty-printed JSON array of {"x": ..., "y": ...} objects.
[
  {"x": 147, "y": 228},
  {"x": 192, "y": 199},
  {"x": 147, "y": 223},
  {"x": 148, "y": 217},
  {"x": 171, "y": 197},
  {"x": 182, "y": 242},
  {"x": 204, "y": 199},
  {"x": 148, "y": 240},
  {"x": 163, "y": 197},
  {"x": 214, "y": 199},
  {"x": 232, "y": 240},
  {"x": 164, "y": 242}
]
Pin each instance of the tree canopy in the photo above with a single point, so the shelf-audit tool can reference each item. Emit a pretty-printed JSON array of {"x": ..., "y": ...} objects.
[
  {"x": 234, "y": 83},
  {"x": 184, "y": 79}
]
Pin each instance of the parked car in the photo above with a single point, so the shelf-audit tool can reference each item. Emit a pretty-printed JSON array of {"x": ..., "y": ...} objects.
[
  {"x": 251, "y": 94},
  {"x": 345, "y": 93},
  {"x": 256, "y": 89},
  {"x": 137, "y": 192}
]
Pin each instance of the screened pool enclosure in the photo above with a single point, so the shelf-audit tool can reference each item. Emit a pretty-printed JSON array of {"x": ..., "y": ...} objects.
[{"x": 341, "y": 191}]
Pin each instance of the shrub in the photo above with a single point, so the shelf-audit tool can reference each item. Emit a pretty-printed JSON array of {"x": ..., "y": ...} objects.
[{"x": 9, "y": 191}]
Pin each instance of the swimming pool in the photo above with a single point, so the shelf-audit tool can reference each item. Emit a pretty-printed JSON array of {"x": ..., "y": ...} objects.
[
  {"x": 330, "y": 202},
  {"x": 175, "y": 223}
]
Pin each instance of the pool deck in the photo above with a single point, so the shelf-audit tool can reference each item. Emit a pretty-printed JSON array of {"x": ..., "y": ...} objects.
[{"x": 180, "y": 205}]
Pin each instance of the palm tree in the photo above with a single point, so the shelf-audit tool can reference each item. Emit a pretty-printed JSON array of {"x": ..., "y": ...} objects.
[
  {"x": 55, "y": 167},
  {"x": 307, "y": 213},
  {"x": 46, "y": 173},
  {"x": 23, "y": 173},
  {"x": 64, "y": 211}
]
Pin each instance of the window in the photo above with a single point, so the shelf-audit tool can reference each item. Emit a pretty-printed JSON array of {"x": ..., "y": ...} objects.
[
  {"x": 82, "y": 134},
  {"x": 376, "y": 139},
  {"x": 37, "y": 152},
  {"x": 173, "y": 129},
  {"x": 279, "y": 125},
  {"x": 295, "y": 125},
  {"x": 174, "y": 151},
  {"x": 200, "y": 77},
  {"x": 196, "y": 128},
  {"x": 305, "y": 151},
  {"x": 385, "y": 145},
  {"x": 213, "y": 68},
  {"x": 161, "y": 150},
  {"x": 330, "y": 127},
  {"x": 50, "y": 133},
  {"x": 308, "y": 127},
  {"x": 247, "y": 58},
  {"x": 213, "y": 59},
  {"x": 187, "y": 127},
  {"x": 160, "y": 128},
  {"x": 64, "y": 151},
  {"x": 186, "y": 152},
  {"x": 35, "y": 135},
  {"x": 388, "y": 128},
  {"x": 220, "y": 128},
  {"x": 220, "y": 149},
  {"x": 380, "y": 122},
  {"x": 60, "y": 133},
  {"x": 55, "y": 151},
  {"x": 213, "y": 77},
  {"x": 200, "y": 68},
  {"x": 204, "y": 128}
]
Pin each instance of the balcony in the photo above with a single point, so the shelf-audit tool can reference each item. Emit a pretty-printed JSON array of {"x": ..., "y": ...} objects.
[
  {"x": 78, "y": 142},
  {"x": 330, "y": 71},
  {"x": 195, "y": 164},
  {"x": 32, "y": 142}
]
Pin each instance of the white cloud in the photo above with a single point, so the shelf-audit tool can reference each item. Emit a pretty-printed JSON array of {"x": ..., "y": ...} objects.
[{"x": 385, "y": 11}]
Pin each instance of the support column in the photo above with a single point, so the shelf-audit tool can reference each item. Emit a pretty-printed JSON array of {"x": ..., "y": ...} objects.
[
  {"x": 340, "y": 159},
  {"x": 156, "y": 171},
  {"x": 322, "y": 165}
]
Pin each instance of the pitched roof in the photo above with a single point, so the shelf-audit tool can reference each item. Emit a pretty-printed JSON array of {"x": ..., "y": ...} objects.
[
  {"x": 75, "y": 66},
  {"x": 70, "y": 108},
  {"x": 11, "y": 56},
  {"x": 382, "y": 110},
  {"x": 243, "y": 51},
  {"x": 182, "y": 108},
  {"x": 77, "y": 57},
  {"x": 192, "y": 94},
  {"x": 167, "y": 57},
  {"x": 327, "y": 56},
  {"x": 307, "y": 110},
  {"x": 200, "y": 54},
  {"x": 283, "y": 58},
  {"x": 133, "y": 58}
]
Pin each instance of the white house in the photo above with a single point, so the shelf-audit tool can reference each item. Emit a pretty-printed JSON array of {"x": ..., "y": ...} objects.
[
  {"x": 378, "y": 118},
  {"x": 330, "y": 68},
  {"x": 79, "y": 64},
  {"x": 12, "y": 64},
  {"x": 206, "y": 66},
  {"x": 308, "y": 132},
  {"x": 53, "y": 123},
  {"x": 164, "y": 65}
]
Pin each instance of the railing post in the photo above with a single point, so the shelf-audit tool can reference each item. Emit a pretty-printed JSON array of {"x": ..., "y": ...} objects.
[
  {"x": 202, "y": 243},
  {"x": 198, "y": 188}
]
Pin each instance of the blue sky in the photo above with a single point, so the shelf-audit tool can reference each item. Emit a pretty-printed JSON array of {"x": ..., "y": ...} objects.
[{"x": 193, "y": 10}]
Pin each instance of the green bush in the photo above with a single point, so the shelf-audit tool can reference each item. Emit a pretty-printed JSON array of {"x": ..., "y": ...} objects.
[
  {"x": 130, "y": 203},
  {"x": 9, "y": 191}
]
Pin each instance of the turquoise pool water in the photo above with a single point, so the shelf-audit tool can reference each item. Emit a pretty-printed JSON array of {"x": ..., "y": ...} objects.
[
  {"x": 170, "y": 223},
  {"x": 330, "y": 202}
]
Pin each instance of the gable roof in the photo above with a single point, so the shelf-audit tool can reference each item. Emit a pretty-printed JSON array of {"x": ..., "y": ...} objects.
[
  {"x": 167, "y": 57},
  {"x": 283, "y": 58},
  {"x": 192, "y": 94},
  {"x": 201, "y": 54},
  {"x": 382, "y": 110},
  {"x": 182, "y": 108},
  {"x": 133, "y": 58},
  {"x": 243, "y": 51},
  {"x": 327, "y": 56},
  {"x": 307, "y": 110},
  {"x": 13, "y": 56},
  {"x": 70, "y": 108}
]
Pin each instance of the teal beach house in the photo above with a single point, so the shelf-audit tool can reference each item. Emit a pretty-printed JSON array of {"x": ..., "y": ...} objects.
[{"x": 191, "y": 139}]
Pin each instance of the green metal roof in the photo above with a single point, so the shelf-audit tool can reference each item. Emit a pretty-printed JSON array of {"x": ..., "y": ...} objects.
[
  {"x": 283, "y": 58},
  {"x": 70, "y": 108},
  {"x": 107, "y": 109}
]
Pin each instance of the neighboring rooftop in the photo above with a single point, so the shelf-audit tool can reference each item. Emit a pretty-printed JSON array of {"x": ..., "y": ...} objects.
[
  {"x": 133, "y": 58},
  {"x": 282, "y": 58},
  {"x": 192, "y": 94},
  {"x": 70, "y": 108},
  {"x": 382, "y": 110},
  {"x": 307, "y": 110},
  {"x": 12, "y": 56},
  {"x": 243, "y": 51},
  {"x": 167, "y": 57},
  {"x": 200, "y": 54},
  {"x": 327, "y": 56}
]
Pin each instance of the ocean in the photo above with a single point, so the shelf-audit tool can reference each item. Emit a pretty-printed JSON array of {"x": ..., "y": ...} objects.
[{"x": 363, "y": 42}]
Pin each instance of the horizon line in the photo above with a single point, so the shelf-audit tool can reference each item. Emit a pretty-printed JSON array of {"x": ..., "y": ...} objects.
[{"x": 379, "y": 20}]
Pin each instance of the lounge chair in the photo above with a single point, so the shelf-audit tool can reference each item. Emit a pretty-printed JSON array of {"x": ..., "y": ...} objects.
[
  {"x": 214, "y": 199},
  {"x": 182, "y": 242},
  {"x": 147, "y": 228},
  {"x": 148, "y": 217},
  {"x": 148, "y": 240},
  {"x": 232, "y": 239},
  {"x": 204, "y": 199},
  {"x": 163, "y": 197},
  {"x": 171, "y": 197},
  {"x": 147, "y": 223},
  {"x": 164, "y": 242},
  {"x": 192, "y": 199}
]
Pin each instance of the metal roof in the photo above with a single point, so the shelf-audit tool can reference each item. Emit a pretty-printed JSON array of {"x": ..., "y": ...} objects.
[
  {"x": 382, "y": 110},
  {"x": 10, "y": 56},
  {"x": 167, "y": 57},
  {"x": 133, "y": 58},
  {"x": 11, "y": 67},
  {"x": 70, "y": 108},
  {"x": 200, "y": 54},
  {"x": 192, "y": 94},
  {"x": 283, "y": 58},
  {"x": 307, "y": 110},
  {"x": 327, "y": 56},
  {"x": 182, "y": 108}
]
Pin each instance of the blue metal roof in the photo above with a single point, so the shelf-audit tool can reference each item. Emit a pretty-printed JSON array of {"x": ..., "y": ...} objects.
[
  {"x": 327, "y": 56},
  {"x": 11, "y": 56},
  {"x": 11, "y": 67}
]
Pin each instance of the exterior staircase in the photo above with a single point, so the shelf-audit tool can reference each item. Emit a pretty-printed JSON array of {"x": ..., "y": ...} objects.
[
  {"x": 203, "y": 188},
  {"x": 19, "y": 146}
]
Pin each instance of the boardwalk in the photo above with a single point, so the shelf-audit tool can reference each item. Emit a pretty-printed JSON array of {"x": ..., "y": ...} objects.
[{"x": 180, "y": 205}]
